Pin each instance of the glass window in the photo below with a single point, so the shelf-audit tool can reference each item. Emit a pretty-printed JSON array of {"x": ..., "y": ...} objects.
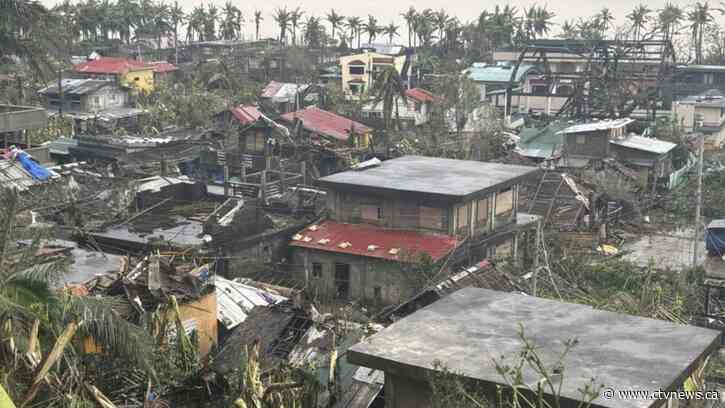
[
  {"x": 581, "y": 139},
  {"x": 504, "y": 202},
  {"x": 357, "y": 70}
]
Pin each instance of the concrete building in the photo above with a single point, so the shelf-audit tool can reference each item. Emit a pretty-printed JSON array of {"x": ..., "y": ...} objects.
[
  {"x": 472, "y": 329},
  {"x": 128, "y": 73},
  {"x": 386, "y": 219},
  {"x": 15, "y": 120},
  {"x": 84, "y": 95},
  {"x": 705, "y": 113},
  {"x": 695, "y": 79},
  {"x": 359, "y": 70}
]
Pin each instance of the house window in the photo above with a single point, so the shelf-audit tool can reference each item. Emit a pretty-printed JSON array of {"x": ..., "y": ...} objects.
[
  {"x": 482, "y": 212},
  {"x": 316, "y": 270},
  {"x": 431, "y": 218},
  {"x": 581, "y": 139},
  {"x": 378, "y": 293},
  {"x": 504, "y": 203},
  {"x": 418, "y": 106},
  {"x": 356, "y": 89},
  {"x": 462, "y": 219},
  {"x": 357, "y": 69},
  {"x": 97, "y": 101},
  {"x": 112, "y": 97},
  {"x": 137, "y": 79},
  {"x": 539, "y": 90},
  {"x": 408, "y": 216}
]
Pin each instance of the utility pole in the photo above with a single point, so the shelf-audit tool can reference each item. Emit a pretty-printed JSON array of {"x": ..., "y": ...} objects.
[
  {"x": 60, "y": 92},
  {"x": 698, "y": 207}
]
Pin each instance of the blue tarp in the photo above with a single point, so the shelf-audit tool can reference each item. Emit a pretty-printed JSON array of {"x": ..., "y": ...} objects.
[{"x": 37, "y": 171}]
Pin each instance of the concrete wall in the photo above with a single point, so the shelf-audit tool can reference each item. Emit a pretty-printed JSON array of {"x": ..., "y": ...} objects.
[
  {"x": 366, "y": 274},
  {"x": 403, "y": 392},
  {"x": 15, "y": 118}
]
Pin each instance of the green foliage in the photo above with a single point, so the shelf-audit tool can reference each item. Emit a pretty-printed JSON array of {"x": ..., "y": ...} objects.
[{"x": 182, "y": 106}]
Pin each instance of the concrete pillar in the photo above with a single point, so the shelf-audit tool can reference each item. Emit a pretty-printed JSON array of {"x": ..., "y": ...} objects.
[{"x": 263, "y": 187}]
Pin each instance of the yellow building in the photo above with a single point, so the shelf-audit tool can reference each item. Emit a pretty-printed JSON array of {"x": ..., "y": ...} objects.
[
  {"x": 129, "y": 73},
  {"x": 359, "y": 70}
]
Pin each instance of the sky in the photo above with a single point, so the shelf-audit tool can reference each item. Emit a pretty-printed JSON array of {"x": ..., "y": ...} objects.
[{"x": 386, "y": 11}]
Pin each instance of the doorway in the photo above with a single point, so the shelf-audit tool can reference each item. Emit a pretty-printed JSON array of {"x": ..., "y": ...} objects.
[{"x": 342, "y": 280}]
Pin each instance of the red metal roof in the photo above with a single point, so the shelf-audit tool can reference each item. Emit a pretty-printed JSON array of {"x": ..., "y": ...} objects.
[
  {"x": 163, "y": 67},
  {"x": 360, "y": 237},
  {"x": 271, "y": 89},
  {"x": 109, "y": 65},
  {"x": 420, "y": 95},
  {"x": 246, "y": 114},
  {"x": 326, "y": 123}
]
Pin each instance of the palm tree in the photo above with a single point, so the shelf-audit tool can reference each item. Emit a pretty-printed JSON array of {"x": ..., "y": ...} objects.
[
  {"x": 335, "y": 21},
  {"x": 537, "y": 21},
  {"x": 568, "y": 30},
  {"x": 639, "y": 18},
  {"x": 161, "y": 24},
  {"x": 605, "y": 19},
  {"x": 212, "y": 14},
  {"x": 29, "y": 309},
  {"x": 354, "y": 24},
  {"x": 409, "y": 17},
  {"x": 423, "y": 27},
  {"x": 257, "y": 21},
  {"x": 313, "y": 32},
  {"x": 371, "y": 28},
  {"x": 231, "y": 25},
  {"x": 669, "y": 19},
  {"x": 440, "y": 19},
  {"x": 391, "y": 30},
  {"x": 294, "y": 19},
  {"x": 281, "y": 17},
  {"x": 176, "y": 17},
  {"x": 389, "y": 88},
  {"x": 195, "y": 24},
  {"x": 699, "y": 17}
]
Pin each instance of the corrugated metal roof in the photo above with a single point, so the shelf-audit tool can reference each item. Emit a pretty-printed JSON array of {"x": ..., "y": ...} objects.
[
  {"x": 282, "y": 91},
  {"x": 498, "y": 73},
  {"x": 373, "y": 241},
  {"x": 246, "y": 114},
  {"x": 12, "y": 175},
  {"x": 76, "y": 86},
  {"x": 235, "y": 300},
  {"x": 594, "y": 126},
  {"x": 110, "y": 65},
  {"x": 420, "y": 95},
  {"x": 647, "y": 144},
  {"x": 326, "y": 123},
  {"x": 161, "y": 67}
]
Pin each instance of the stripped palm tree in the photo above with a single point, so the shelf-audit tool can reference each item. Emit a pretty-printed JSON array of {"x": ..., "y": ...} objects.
[
  {"x": 294, "y": 20},
  {"x": 354, "y": 24},
  {"x": 335, "y": 21},
  {"x": 639, "y": 18},
  {"x": 409, "y": 17},
  {"x": 372, "y": 29},
  {"x": 391, "y": 30},
  {"x": 257, "y": 22},
  {"x": 699, "y": 17},
  {"x": 282, "y": 18},
  {"x": 23, "y": 33}
]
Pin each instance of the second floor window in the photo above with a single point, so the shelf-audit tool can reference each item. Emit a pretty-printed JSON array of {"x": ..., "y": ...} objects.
[
  {"x": 504, "y": 203},
  {"x": 371, "y": 212},
  {"x": 316, "y": 270},
  {"x": 482, "y": 215},
  {"x": 462, "y": 219},
  {"x": 357, "y": 69}
]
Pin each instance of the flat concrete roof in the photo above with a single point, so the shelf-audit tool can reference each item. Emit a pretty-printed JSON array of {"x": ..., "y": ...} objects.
[
  {"x": 472, "y": 327},
  {"x": 431, "y": 175}
]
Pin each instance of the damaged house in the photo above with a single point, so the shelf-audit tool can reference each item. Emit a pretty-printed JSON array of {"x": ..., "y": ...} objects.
[
  {"x": 91, "y": 103},
  {"x": 386, "y": 220},
  {"x": 339, "y": 139}
]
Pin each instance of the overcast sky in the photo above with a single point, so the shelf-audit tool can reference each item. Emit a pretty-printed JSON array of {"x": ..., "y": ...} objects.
[{"x": 386, "y": 11}]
